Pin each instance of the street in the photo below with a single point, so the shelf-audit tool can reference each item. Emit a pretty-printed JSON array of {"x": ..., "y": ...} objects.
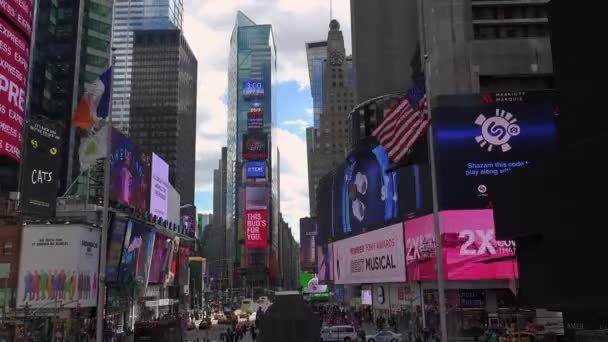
[{"x": 212, "y": 334}]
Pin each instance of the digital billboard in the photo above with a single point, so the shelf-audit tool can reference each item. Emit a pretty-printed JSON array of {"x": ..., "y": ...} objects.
[
  {"x": 325, "y": 263},
  {"x": 116, "y": 236},
  {"x": 255, "y": 169},
  {"x": 470, "y": 249},
  {"x": 373, "y": 257},
  {"x": 255, "y": 146},
  {"x": 188, "y": 219},
  {"x": 40, "y": 168},
  {"x": 20, "y": 13},
  {"x": 253, "y": 89},
  {"x": 159, "y": 187},
  {"x": 310, "y": 283},
  {"x": 58, "y": 264},
  {"x": 308, "y": 248},
  {"x": 255, "y": 116},
  {"x": 256, "y": 228},
  {"x": 158, "y": 266},
  {"x": 137, "y": 252},
  {"x": 256, "y": 198},
  {"x": 184, "y": 261},
  {"x": 481, "y": 138},
  {"x": 14, "y": 57},
  {"x": 130, "y": 177}
]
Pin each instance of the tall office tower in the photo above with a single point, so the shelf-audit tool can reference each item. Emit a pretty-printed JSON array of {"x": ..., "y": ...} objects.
[
  {"x": 311, "y": 138},
  {"x": 480, "y": 46},
  {"x": 131, "y": 15},
  {"x": 331, "y": 142},
  {"x": 72, "y": 48},
  {"x": 251, "y": 118},
  {"x": 316, "y": 54},
  {"x": 163, "y": 103}
]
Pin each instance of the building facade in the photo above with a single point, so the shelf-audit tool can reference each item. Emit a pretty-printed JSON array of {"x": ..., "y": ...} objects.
[
  {"x": 131, "y": 15},
  {"x": 252, "y": 61},
  {"x": 331, "y": 141},
  {"x": 316, "y": 54},
  {"x": 163, "y": 103},
  {"x": 289, "y": 257}
]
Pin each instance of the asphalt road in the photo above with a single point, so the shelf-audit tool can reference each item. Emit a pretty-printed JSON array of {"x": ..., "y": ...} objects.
[{"x": 212, "y": 334}]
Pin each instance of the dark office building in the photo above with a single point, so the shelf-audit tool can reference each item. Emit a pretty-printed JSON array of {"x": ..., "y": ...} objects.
[{"x": 163, "y": 103}]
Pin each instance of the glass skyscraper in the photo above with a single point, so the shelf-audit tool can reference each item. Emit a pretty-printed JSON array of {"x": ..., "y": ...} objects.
[
  {"x": 252, "y": 57},
  {"x": 316, "y": 54},
  {"x": 131, "y": 15}
]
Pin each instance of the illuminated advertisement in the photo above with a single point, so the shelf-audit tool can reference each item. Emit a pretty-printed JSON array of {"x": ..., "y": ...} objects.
[
  {"x": 366, "y": 295},
  {"x": 158, "y": 266},
  {"x": 256, "y": 198},
  {"x": 253, "y": 89},
  {"x": 310, "y": 283},
  {"x": 188, "y": 219},
  {"x": 255, "y": 116},
  {"x": 116, "y": 236},
  {"x": 308, "y": 250},
  {"x": 184, "y": 258},
  {"x": 470, "y": 249},
  {"x": 137, "y": 252},
  {"x": 481, "y": 138},
  {"x": 256, "y": 228},
  {"x": 130, "y": 169},
  {"x": 20, "y": 12},
  {"x": 159, "y": 187},
  {"x": 255, "y": 146},
  {"x": 14, "y": 57},
  {"x": 325, "y": 264},
  {"x": 255, "y": 169},
  {"x": 373, "y": 257}
]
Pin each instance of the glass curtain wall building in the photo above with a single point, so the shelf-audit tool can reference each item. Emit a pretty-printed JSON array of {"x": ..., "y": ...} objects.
[
  {"x": 252, "y": 57},
  {"x": 316, "y": 54},
  {"x": 131, "y": 15}
]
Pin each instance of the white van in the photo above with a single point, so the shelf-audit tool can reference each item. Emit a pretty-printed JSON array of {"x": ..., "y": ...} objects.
[{"x": 340, "y": 333}]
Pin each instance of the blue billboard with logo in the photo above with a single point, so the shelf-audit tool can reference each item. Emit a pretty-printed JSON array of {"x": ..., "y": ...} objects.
[
  {"x": 481, "y": 138},
  {"x": 255, "y": 169}
]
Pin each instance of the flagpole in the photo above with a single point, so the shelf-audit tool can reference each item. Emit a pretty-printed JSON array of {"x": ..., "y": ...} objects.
[
  {"x": 424, "y": 59},
  {"x": 101, "y": 287}
]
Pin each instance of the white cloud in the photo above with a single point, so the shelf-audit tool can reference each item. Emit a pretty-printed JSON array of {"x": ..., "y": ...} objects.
[
  {"x": 298, "y": 124},
  {"x": 309, "y": 111},
  {"x": 294, "y": 179},
  {"x": 208, "y": 26}
]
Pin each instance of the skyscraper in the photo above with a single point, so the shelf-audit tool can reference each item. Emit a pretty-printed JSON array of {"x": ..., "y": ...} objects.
[
  {"x": 131, "y": 15},
  {"x": 163, "y": 103},
  {"x": 251, "y": 115},
  {"x": 331, "y": 142},
  {"x": 316, "y": 54}
]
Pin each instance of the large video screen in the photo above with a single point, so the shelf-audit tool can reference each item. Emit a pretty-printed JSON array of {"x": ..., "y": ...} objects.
[
  {"x": 137, "y": 252},
  {"x": 481, "y": 138}
]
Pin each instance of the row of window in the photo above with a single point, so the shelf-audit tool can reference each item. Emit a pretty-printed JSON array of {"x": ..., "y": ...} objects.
[
  {"x": 510, "y": 31},
  {"x": 7, "y": 248}
]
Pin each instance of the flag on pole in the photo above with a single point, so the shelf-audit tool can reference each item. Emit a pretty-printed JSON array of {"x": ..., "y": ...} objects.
[
  {"x": 95, "y": 103},
  {"x": 405, "y": 122}
]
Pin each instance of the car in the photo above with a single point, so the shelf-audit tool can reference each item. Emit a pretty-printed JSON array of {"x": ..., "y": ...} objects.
[
  {"x": 384, "y": 336},
  {"x": 340, "y": 333},
  {"x": 205, "y": 324}
]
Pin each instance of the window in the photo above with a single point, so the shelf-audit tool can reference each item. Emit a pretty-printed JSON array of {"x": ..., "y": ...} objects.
[{"x": 8, "y": 248}]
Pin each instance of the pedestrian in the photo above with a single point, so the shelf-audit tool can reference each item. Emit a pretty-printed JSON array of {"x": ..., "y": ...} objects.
[{"x": 254, "y": 334}]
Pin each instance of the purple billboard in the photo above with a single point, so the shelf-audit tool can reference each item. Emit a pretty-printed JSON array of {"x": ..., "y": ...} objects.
[
  {"x": 159, "y": 187},
  {"x": 158, "y": 266}
]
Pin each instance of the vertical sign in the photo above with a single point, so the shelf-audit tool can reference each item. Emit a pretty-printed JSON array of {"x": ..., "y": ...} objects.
[{"x": 256, "y": 228}]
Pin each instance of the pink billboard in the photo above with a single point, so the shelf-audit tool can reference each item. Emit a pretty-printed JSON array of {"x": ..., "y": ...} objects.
[
  {"x": 14, "y": 56},
  {"x": 470, "y": 248},
  {"x": 20, "y": 12}
]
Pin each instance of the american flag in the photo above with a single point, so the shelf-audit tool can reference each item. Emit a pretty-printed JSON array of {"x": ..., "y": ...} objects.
[{"x": 405, "y": 122}]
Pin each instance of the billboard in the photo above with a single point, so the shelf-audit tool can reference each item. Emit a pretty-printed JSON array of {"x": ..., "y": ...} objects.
[
  {"x": 470, "y": 249},
  {"x": 373, "y": 257},
  {"x": 58, "y": 264},
  {"x": 137, "y": 252},
  {"x": 253, "y": 89},
  {"x": 256, "y": 228},
  {"x": 256, "y": 198},
  {"x": 130, "y": 170},
  {"x": 255, "y": 116},
  {"x": 325, "y": 264},
  {"x": 188, "y": 219},
  {"x": 310, "y": 283},
  {"x": 14, "y": 56},
  {"x": 40, "y": 168},
  {"x": 158, "y": 265},
  {"x": 116, "y": 236},
  {"x": 20, "y": 13},
  {"x": 481, "y": 138},
  {"x": 255, "y": 146},
  {"x": 159, "y": 187},
  {"x": 255, "y": 169},
  {"x": 308, "y": 248},
  {"x": 184, "y": 262}
]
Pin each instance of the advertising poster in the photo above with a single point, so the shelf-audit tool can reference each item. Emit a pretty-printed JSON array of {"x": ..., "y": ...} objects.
[
  {"x": 414, "y": 188},
  {"x": 188, "y": 219},
  {"x": 158, "y": 266},
  {"x": 253, "y": 89},
  {"x": 20, "y": 13},
  {"x": 14, "y": 56},
  {"x": 130, "y": 173},
  {"x": 256, "y": 228},
  {"x": 159, "y": 187},
  {"x": 172, "y": 262},
  {"x": 137, "y": 252},
  {"x": 470, "y": 248},
  {"x": 184, "y": 257},
  {"x": 255, "y": 116},
  {"x": 308, "y": 248},
  {"x": 373, "y": 257},
  {"x": 256, "y": 198},
  {"x": 401, "y": 294},
  {"x": 310, "y": 283},
  {"x": 366, "y": 295},
  {"x": 255, "y": 146},
  {"x": 40, "y": 168},
  {"x": 381, "y": 297},
  {"x": 367, "y": 192},
  {"x": 58, "y": 264},
  {"x": 325, "y": 264},
  {"x": 255, "y": 169},
  {"x": 481, "y": 138},
  {"x": 116, "y": 236}
]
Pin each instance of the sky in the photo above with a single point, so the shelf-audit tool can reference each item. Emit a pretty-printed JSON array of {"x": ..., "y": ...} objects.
[{"x": 207, "y": 26}]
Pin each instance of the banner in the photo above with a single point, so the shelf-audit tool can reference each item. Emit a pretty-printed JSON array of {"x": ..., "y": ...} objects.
[
  {"x": 116, "y": 236},
  {"x": 308, "y": 248},
  {"x": 255, "y": 116},
  {"x": 159, "y": 187},
  {"x": 40, "y": 169},
  {"x": 137, "y": 252},
  {"x": 373, "y": 257},
  {"x": 381, "y": 297},
  {"x": 58, "y": 265},
  {"x": 470, "y": 248},
  {"x": 20, "y": 13},
  {"x": 256, "y": 198},
  {"x": 158, "y": 266},
  {"x": 255, "y": 146},
  {"x": 256, "y": 228}
]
